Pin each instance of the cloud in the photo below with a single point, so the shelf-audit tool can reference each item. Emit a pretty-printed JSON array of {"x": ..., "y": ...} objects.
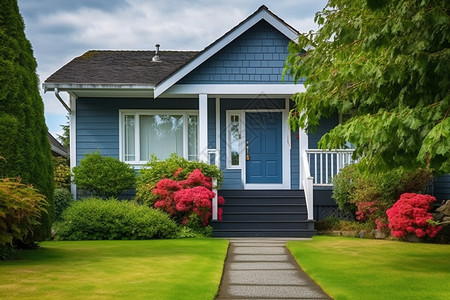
[{"x": 60, "y": 30}]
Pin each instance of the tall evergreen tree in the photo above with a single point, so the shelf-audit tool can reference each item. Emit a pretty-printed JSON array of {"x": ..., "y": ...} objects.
[{"x": 23, "y": 132}]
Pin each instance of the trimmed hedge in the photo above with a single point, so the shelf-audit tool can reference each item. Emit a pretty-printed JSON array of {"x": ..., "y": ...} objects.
[
  {"x": 103, "y": 176},
  {"x": 98, "y": 219}
]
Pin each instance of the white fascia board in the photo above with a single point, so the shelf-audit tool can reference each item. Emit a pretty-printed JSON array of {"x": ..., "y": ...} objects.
[
  {"x": 234, "y": 89},
  {"x": 288, "y": 32},
  {"x": 103, "y": 90},
  {"x": 221, "y": 43},
  {"x": 96, "y": 86}
]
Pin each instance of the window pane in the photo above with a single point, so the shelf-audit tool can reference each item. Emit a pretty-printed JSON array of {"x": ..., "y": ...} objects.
[
  {"x": 129, "y": 145},
  {"x": 161, "y": 135},
  {"x": 192, "y": 137},
  {"x": 234, "y": 140}
]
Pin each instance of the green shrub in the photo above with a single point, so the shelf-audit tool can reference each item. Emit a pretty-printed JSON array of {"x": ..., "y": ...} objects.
[
  {"x": 61, "y": 172},
  {"x": 98, "y": 219},
  {"x": 371, "y": 194},
  {"x": 103, "y": 176},
  {"x": 175, "y": 168},
  {"x": 63, "y": 199},
  {"x": 21, "y": 207},
  {"x": 344, "y": 185},
  {"x": 333, "y": 223}
]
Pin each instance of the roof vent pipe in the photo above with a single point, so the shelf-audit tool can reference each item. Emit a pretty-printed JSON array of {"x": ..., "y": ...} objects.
[{"x": 156, "y": 57}]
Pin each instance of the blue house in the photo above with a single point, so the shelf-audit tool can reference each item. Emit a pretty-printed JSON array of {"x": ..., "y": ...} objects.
[{"x": 226, "y": 105}]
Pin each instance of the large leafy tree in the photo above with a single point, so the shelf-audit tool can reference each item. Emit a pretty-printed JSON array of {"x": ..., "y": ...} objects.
[
  {"x": 23, "y": 133},
  {"x": 387, "y": 64}
]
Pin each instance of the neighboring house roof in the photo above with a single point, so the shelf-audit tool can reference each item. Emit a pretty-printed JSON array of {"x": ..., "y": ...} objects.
[
  {"x": 56, "y": 147},
  {"x": 134, "y": 70}
]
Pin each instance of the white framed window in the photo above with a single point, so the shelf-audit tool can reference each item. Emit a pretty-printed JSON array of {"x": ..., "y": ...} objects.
[
  {"x": 235, "y": 139},
  {"x": 147, "y": 132}
]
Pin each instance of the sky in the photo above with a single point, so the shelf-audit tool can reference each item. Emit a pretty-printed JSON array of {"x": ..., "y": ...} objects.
[{"x": 61, "y": 30}]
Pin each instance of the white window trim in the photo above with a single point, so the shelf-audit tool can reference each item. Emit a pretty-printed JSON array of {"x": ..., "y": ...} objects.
[
  {"x": 239, "y": 113},
  {"x": 137, "y": 162}
]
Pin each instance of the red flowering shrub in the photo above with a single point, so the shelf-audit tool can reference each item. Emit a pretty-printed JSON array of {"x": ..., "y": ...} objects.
[
  {"x": 410, "y": 214},
  {"x": 183, "y": 198},
  {"x": 165, "y": 189},
  {"x": 196, "y": 178},
  {"x": 381, "y": 223},
  {"x": 365, "y": 210}
]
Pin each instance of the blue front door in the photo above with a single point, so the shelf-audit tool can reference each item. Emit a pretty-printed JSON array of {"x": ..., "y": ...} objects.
[{"x": 263, "y": 147}]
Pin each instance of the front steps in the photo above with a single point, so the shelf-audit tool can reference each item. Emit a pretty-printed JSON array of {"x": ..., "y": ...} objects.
[{"x": 263, "y": 213}]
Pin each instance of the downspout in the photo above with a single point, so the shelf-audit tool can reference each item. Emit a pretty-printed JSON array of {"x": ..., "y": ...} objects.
[
  {"x": 73, "y": 187},
  {"x": 62, "y": 101}
]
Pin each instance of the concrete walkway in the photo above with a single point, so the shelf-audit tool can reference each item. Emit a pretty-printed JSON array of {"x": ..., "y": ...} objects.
[{"x": 260, "y": 268}]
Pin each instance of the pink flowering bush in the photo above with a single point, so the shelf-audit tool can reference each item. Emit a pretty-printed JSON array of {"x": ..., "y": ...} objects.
[
  {"x": 410, "y": 214},
  {"x": 185, "y": 198}
]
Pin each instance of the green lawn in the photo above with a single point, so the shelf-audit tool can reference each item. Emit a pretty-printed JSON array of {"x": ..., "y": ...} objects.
[
  {"x": 350, "y": 268},
  {"x": 154, "y": 269}
]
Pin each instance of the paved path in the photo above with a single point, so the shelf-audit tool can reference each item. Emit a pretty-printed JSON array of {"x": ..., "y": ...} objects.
[{"x": 264, "y": 269}]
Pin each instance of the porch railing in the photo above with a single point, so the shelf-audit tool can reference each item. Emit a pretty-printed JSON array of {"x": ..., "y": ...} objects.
[
  {"x": 325, "y": 164},
  {"x": 318, "y": 169}
]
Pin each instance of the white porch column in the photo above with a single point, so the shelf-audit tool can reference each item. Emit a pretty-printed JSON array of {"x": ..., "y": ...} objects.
[
  {"x": 303, "y": 146},
  {"x": 203, "y": 127}
]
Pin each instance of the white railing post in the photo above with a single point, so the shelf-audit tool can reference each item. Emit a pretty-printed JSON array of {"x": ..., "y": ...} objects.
[
  {"x": 214, "y": 200},
  {"x": 308, "y": 187}
]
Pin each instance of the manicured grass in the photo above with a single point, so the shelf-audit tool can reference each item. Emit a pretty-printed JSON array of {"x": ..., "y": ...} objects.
[
  {"x": 154, "y": 269},
  {"x": 350, "y": 268}
]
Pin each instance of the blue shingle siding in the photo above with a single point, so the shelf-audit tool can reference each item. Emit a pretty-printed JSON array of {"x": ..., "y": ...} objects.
[
  {"x": 98, "y": 121},
  {"x": 295, "y": 163},
  {"x": 442, "y": 188},
  {"x": 257, "y": 56},
  {"x": 232, "y": 180},
  {"x": 325, "y": 126}
]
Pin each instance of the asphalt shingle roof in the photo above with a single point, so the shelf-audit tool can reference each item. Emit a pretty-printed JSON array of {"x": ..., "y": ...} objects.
[{"x": 121, "y": 67}]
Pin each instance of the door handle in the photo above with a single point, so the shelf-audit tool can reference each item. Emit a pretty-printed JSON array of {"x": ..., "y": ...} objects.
[{"x": 246, "y": 150}]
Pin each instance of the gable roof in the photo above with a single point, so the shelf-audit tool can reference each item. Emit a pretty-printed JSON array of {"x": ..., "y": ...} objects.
[
  {"x": 135, "y": 70},
  {"x": 263, "y": 13},
  {"x": 119, "y": 67}
]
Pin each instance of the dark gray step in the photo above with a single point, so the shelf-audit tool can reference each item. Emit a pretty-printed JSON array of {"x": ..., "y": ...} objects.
[
  {"x": 263, "y": 200},
  {"x": 263, "y": 208},
  {"x": 252, "y": 225},
  {"x": 265, "y": 216},
  {"x": 263, "y": 213},
  {"x": 261, "y": 192},
  {"x": 265, "y": 233}
]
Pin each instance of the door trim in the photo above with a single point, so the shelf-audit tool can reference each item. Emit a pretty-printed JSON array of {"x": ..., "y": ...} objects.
[{"x": 285, "y": 153}]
